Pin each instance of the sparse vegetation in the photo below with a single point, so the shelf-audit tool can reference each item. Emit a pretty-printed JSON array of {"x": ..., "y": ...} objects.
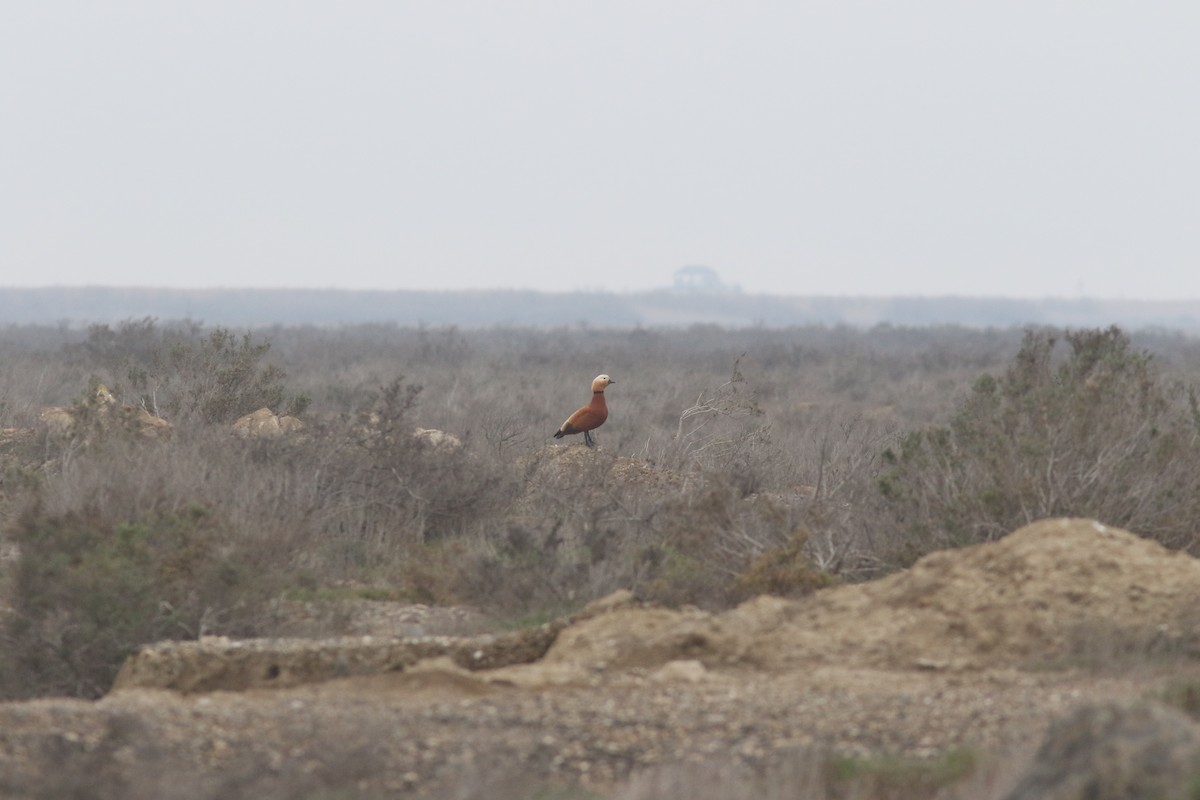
[{"x": 734, "y": 462}]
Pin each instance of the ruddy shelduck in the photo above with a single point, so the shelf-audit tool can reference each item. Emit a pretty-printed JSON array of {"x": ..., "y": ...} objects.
[{"x": 589, "y": 417}]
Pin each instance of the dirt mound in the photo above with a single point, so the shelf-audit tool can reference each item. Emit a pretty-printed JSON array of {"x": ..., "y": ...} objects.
[
  {"x": 217, "y": 663},
  {"x": 576, "y": 463},
  {"x": 1025, "y": 599}
]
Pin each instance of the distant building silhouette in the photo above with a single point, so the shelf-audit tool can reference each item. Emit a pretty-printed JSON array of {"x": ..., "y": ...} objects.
[{"x": 698, "y": 278}]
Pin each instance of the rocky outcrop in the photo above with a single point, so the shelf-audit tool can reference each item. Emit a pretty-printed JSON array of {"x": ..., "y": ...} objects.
[
  {"x": 217, "y": 663},
  {"x": 370, "y": 428},
  {"x": 438, "y": 440},
  {"x": 266, "y": 424},
  {"x": 102, "y": 413}
]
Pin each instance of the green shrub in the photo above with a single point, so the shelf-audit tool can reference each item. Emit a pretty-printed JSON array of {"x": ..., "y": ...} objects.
[
  {"x": 1098, "y": 433},
  {"x": 185, "y": 373},
  {"x": 221, "y": 378},
  {"x": 89, "y": 589}
]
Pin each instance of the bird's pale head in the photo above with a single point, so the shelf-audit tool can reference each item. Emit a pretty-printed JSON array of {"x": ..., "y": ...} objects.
[{"x": 600, "y": 382}]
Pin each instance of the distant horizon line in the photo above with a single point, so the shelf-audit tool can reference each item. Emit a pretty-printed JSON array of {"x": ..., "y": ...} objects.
[{"x": 626, "y": 292}]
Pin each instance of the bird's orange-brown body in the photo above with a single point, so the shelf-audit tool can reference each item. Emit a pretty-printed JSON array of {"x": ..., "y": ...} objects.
[{"x": 589, "y": 417}]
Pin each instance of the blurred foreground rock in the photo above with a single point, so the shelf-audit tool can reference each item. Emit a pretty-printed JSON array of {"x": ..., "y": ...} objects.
[{"x": 1116, "y": 751}]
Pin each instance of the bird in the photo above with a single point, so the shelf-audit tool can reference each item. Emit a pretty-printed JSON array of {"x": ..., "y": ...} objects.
[{"x": 591, "y": 416}]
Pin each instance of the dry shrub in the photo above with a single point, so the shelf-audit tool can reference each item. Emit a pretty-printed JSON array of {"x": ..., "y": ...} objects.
[
  {"x": 590, "y": 523},
  {"x": 840, "y": 501},
  {"x": 785, "y": 570},
  {"x": 724, "y": 432},
  {"x": 1099, "y": 433},
  {"x": 563, "y": 540},
  {"x": 383, "y": 486},
  {"x": 707, "y": 537}
]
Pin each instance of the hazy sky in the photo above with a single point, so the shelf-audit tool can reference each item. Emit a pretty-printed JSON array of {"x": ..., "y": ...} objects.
[{"x": 993, "y": 148}]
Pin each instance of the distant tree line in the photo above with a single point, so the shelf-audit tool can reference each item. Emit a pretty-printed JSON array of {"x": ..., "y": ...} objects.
[{"x": 479, "y": 309}]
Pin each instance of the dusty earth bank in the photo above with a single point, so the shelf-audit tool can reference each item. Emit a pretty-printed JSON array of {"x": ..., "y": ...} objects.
[{"x": 982, "y": 647}]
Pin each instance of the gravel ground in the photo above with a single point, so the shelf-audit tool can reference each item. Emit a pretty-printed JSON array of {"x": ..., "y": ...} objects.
[
  {"x": 918, "y": 664},
  {"x": 442, "y": 732}
]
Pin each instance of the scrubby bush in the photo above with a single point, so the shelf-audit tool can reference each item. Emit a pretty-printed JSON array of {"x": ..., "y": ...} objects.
[
  {"x": 382, "y": 482},
  {"x": 218, "y": 378},
  {"x": 589, "y": 523},
  {"x": 89, "y": 588},
  {"x": 1099, "y": 432},
  {"x": 183, "y": 372},
  {"x": 784, "y": 570},
  {"x": 128, "y": 541},
  {"x": 712, "y": 545}
]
